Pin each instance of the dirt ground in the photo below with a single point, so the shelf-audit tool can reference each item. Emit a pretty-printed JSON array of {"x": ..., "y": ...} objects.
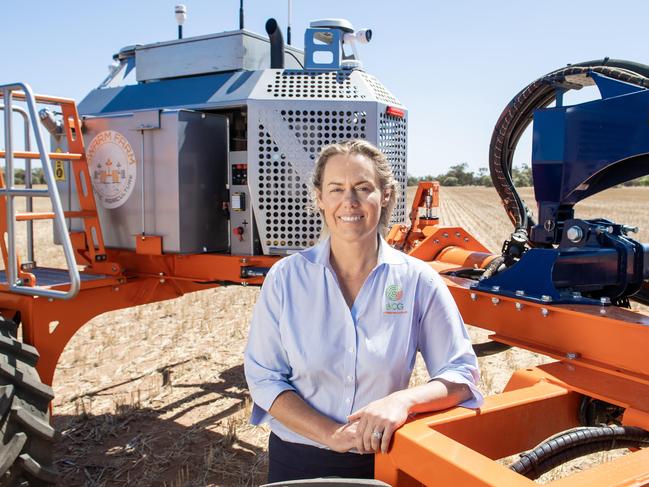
[{"x": 155, "y": 395}]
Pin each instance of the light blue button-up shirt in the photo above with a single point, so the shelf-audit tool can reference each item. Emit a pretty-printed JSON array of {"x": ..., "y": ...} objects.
[{"x": 304, "y": 338}]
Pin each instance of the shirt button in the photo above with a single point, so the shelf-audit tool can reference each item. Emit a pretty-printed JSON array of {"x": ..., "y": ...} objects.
[
  {"x": 348, "y": 400},
  {"x": 350, "y": 378},
  {"x": 350, "y": 349}
]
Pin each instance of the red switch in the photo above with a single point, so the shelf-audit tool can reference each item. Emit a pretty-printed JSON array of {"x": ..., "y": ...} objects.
[{"x": 238, "y": 231}]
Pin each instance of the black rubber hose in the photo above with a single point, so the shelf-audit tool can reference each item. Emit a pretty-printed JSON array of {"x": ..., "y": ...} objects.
[
  {"x": 276, "y": 44},
  {"x": 518, "y": 114},
  {"x": 577, "y": 443}
]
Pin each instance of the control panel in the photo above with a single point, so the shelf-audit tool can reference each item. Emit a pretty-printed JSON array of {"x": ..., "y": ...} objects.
[{"x": 244, "y": 237}]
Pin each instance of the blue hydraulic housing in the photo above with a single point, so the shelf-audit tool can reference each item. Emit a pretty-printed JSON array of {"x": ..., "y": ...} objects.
[
  {"x": 581, "y": 150},
  {"x": 577, "y": 152}
]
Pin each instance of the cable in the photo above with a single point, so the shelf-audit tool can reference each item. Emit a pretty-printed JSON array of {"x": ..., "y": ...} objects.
[
  {"x": 576, "y": 443},
  {"x": 295, "y": 57}
]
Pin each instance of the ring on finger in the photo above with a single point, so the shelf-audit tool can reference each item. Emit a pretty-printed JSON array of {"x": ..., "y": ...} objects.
[{"x": 377, "y": 435}]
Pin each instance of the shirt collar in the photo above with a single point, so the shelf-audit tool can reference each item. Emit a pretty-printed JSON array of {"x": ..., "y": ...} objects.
[{"x": 319, "y": 254}]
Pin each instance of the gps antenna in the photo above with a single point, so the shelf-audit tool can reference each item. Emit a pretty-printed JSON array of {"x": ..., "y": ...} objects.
[{"x": 181, "y": 15}]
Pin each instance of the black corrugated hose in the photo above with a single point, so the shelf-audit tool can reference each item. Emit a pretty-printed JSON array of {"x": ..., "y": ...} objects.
[
  {"x": 576, "y": 443},
  {"x": 518, "y": 115}
]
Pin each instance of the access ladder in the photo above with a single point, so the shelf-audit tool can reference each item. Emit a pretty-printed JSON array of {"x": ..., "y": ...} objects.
[{"x": 88, "y": 246}]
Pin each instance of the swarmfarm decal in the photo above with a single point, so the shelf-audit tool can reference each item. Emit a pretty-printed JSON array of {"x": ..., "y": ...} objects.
[{"x": 112, "y": 165}]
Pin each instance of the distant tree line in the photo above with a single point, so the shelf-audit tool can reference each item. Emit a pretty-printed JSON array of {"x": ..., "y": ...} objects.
[
  {"x": 460, "y": 175},
  {"x": 38, "y": 176}
]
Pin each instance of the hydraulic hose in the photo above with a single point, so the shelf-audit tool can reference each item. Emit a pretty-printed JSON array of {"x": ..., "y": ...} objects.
[
  {"x": 577, "y": 443},
  {"x": 518, "y": 114}
]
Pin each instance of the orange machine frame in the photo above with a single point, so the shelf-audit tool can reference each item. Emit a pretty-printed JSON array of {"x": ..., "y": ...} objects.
[{"x": 600, "y": 351}]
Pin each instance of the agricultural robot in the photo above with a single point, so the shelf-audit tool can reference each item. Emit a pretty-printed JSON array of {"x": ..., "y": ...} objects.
[{"x": 187, "y": 168}]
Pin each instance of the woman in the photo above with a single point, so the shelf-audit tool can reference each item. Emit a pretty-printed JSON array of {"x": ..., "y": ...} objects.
[{"x": 336, "y": 329}]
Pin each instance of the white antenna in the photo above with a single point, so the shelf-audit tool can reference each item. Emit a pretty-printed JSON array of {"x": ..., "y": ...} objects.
[{"x": 181, "y": 15}]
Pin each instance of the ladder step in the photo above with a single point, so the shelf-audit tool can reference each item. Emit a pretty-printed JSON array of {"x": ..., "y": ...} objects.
[
  {"x": 49, "y": 215},
  {"x": 36, "y": 155}
]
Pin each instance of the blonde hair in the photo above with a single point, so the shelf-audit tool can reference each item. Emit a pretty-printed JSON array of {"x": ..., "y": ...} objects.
[{"x": 382, "y": 169}]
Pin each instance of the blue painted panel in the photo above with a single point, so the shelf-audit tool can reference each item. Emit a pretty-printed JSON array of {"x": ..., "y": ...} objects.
[
  {"x": 311, "y": 48},
  {"x": 548, "y": 144},
  {"x": 609, "y": 88},
  {"x": 162, "y": 94},
  {"x": 572, "y": 145}
]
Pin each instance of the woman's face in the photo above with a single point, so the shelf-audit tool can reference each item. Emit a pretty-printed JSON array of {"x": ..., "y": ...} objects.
[{"x": 351, "y": 198}]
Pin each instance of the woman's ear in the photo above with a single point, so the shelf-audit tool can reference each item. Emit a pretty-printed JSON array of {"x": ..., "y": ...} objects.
[
  {"x": 318, "y": 199},
  {"x": 386, "y": 197}
]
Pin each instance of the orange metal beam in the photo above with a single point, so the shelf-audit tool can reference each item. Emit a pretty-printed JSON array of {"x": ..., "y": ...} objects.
[
  {"x": 53, "y": 100},
  {"x": 457, "y": 446},
  {"x": 610, "y": 338},
  {"x": 62, "y": 156},
  {"x": 48, "y": 215}
]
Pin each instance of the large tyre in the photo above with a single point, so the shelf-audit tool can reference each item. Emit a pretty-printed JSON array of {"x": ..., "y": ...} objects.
[{"x": 27, "y": 437}]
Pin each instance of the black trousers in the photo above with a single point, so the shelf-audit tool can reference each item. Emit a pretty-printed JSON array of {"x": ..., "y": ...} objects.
[{"x": 295, "y": 461}]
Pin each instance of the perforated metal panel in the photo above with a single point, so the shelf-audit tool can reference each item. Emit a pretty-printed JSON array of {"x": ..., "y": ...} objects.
[
  {"x": 380, "y": 92},
  {"x": 294, "y": 115},
  {"x": 393, "y": 143},
  {"x": 293, "y": 84}
]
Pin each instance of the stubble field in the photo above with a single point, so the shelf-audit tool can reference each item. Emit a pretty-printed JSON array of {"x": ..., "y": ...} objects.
[{"x": 155, "y": 395}]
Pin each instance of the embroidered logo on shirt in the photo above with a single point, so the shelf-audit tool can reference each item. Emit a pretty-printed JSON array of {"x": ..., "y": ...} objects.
[{"x": 393, "y": 303}]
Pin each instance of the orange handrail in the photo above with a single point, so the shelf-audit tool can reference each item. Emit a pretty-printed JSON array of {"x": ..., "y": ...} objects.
[
  {"x": 55, "y": 100},
  {"x": 63, "y": 156}
]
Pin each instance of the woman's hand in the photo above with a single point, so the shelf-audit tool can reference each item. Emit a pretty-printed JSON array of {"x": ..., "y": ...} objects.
[
  {"x": 382, "y": 416},
  {"x": 344, "y": 437}
]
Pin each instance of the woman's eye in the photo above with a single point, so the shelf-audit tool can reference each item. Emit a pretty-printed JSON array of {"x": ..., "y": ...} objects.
[{"x": 363, "y": 188}]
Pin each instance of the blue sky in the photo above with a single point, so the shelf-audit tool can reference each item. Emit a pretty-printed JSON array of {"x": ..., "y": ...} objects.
[{"x": 455, "y": 65}]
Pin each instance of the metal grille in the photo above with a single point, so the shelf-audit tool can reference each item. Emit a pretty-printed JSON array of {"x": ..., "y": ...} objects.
[
  {"x": 293, "y": 84},
  {"x": 381, "y": 92},
  {"x": 289, "y": 143},
  {"x": 284, "y": 199},
  {"x": 392, "y": 142},
  {"x": 318, "y": 128}
]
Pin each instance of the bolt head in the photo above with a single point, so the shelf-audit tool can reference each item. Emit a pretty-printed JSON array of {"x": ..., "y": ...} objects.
[
  {"x": 605, "y": 300},
  {"x": 575, "y": 234},
  {"x": 520, "y": 292},
  {"x": 519, "y": 306},
  {"x": 545, "y": 312},
  {"x": 474, "y": 297},
  {"x": 495, "y": 300},
  {"x": 546, "y": 299}
]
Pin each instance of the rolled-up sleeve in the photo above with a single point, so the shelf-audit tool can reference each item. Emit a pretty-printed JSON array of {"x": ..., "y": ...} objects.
[
  {"x": 443, "y": 340},
  {"x": 265, "y": 362}
]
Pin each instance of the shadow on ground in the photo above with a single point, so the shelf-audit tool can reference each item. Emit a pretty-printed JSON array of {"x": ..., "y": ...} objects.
[{"x": 149, "y": 446}]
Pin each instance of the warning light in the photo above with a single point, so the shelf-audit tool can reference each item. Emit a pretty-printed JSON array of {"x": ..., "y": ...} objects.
[{"x": 395, "y": 112}]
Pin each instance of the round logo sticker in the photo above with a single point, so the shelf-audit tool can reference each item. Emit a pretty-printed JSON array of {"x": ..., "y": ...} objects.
[
  {"x": 112, "y": 165},
  {"x": 394, "y": 292}
]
